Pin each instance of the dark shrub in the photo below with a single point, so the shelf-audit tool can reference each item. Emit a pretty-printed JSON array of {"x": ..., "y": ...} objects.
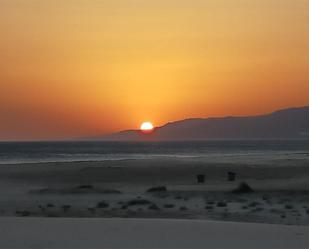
[
  {"x": 138, "y": 202},
  {"x": 243, "y": 188},
  {"x": 85, "y": 187},
  {"x": 169, "y": 205},
  {"x": 50, "y": 205},
  {"x": 253, "y": 204},
  {"x": 183, "y": 208},
  {"x": 153, "y": 207},
  {"x": 102, "y": 204},
  {"x": 157, "y": 189},
  {"x": 287, "y": 206},
  {"x": 209, "y": 207},
  {"x": 221, "y": 204}
]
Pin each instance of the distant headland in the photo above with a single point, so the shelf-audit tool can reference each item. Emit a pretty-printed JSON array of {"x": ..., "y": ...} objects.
[{"x": 292, "y": 123}]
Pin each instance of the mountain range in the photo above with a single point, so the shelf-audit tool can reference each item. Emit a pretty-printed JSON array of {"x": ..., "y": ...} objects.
[{"x": 292, "y": 123}]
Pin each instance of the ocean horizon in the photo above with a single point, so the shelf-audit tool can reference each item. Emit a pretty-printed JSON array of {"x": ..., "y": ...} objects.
[{"x": 228, "y": 151}]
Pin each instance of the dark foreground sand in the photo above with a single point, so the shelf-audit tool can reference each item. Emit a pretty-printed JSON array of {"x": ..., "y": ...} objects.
[
  {"x": 147, "y": 233},
  {"x": 119, "y": 189}
]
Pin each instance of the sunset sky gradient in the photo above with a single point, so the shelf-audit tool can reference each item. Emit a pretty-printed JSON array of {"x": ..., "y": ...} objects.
[{"x": 77, "y": 68}]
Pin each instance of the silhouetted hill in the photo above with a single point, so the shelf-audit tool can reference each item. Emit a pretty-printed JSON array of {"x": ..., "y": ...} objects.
[{"x": 284, "y": 124}]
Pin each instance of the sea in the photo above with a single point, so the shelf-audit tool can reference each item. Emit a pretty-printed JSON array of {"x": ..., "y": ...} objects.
[{"x": 216, "y": 151}]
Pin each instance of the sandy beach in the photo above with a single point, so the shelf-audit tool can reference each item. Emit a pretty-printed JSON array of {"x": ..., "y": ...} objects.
[
  {"x": 121, "y": 189},
  {"x": 154, "y": 124},
  {"x": 146, "y": 233}
]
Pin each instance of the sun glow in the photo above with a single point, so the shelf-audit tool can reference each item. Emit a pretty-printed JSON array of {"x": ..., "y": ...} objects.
[{"x": 146, "y": 127}]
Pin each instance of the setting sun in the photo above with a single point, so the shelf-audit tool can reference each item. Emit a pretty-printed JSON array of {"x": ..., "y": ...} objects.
[{"x": 146, "y": 126}]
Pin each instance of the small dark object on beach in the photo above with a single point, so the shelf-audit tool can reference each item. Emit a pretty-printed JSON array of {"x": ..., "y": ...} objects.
[
  {"x": 209, "y": 207},
  {"x": 221, "y": 204},
  {"x": 169, "y": 205},
  {"x": 66, "y": 208},
  {"x": 157, "y": 189},
  {"x": 231, "y": 176},
  {"x": 138, "y": 202},
  {"x": 243, "y": 188},
  {"x": 102, "y": 204},
  {"x": 200, "y": 178},
  {"x": 282, "y": 216},
  {"x": 183, "y": 208},
  {"x": 153, "y": 207},
  {"x": 85, "y": 187},
  {"x": 50, "y": 205}
]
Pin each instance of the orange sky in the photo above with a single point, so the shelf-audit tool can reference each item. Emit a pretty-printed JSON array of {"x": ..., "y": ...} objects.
[{"x": 77, "y": 68}]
